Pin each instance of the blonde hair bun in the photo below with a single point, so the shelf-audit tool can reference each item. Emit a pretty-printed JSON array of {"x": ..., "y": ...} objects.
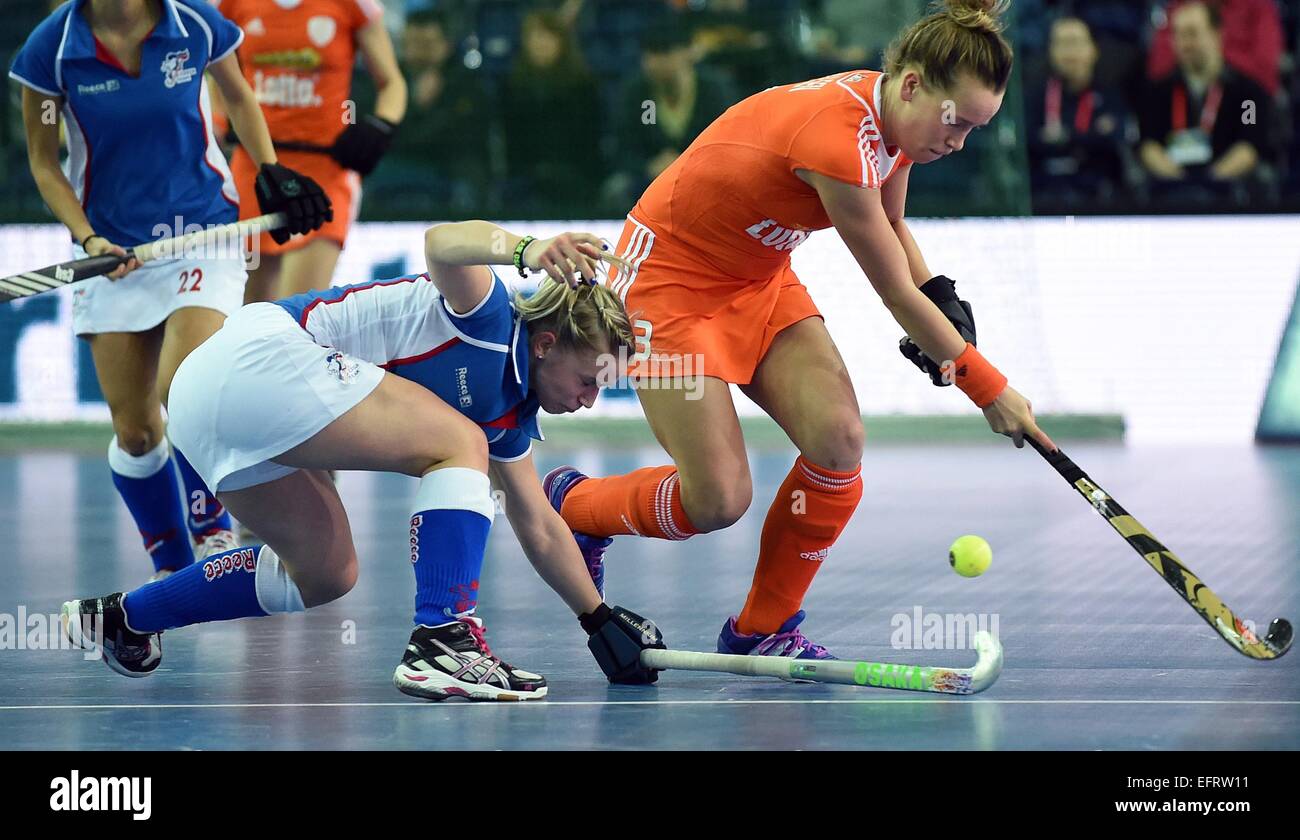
[{"x": 985, "y": 15}]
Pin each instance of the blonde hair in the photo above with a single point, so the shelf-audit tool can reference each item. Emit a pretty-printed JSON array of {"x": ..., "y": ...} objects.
[
  {"x": 585, "y": 318},
  {"x": 960, "y": 36}
]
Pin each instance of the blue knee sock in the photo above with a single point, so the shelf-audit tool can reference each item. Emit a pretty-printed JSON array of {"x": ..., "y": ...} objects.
[
  {"x": 204, "y": 513},
  {"x": 148, "y": 487},
  {"x": 449, "y": 530},
  {"x": 241, "y": 583}
]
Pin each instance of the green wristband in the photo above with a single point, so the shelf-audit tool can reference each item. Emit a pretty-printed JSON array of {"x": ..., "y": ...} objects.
[{"x": 519, "y": 254}]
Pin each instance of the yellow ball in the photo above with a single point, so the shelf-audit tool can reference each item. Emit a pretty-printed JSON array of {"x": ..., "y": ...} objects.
[{"x": 970, "y": 556}]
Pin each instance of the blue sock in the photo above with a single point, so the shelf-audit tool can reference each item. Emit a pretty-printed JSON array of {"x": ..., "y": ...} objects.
[
  {"x": 222, "y": 587},
  {"x": 152, "y": 495},
  {"x": 449, "y": 530},
  {"x": 204, "y": 513}
]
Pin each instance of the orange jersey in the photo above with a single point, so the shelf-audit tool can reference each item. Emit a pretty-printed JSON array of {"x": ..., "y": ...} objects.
[
  {"x": 733, "y": 199},
  {"x": 297, "y": 56}
]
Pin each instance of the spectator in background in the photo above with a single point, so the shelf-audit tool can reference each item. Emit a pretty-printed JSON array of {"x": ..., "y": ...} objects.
[
  {"x": 438, "y": 163},
  {"x": 751, "y": 41},
  {"x": 1075, "y": 128},
  {"x": 662, "y": 110},
  {"x": 1204, "y": 126},
  {"x": 549, "y": 112},
  {"x": 849, "y": 34},
  {"x": 1251, "y": 35}
]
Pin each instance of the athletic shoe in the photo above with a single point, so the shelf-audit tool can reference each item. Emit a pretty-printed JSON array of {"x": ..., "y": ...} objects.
[
  {"x": 216, "y": 541},
  {"x": 100, "y": 623},
  {"x": 453, "y": 660},
  {"x": 787, "y": 641}
]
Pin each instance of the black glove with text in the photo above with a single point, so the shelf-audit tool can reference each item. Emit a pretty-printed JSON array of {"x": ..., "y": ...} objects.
[
  {"x": 281, "y": 190},
  {"x": 617, "y": 637},
  {"x": 943, "y": 292}
]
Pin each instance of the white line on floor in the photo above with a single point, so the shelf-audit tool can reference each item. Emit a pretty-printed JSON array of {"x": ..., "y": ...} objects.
[{"x": 545, "y": 703}]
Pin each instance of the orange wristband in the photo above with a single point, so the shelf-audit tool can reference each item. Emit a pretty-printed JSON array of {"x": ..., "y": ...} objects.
[{"x": 975, "y": 376}]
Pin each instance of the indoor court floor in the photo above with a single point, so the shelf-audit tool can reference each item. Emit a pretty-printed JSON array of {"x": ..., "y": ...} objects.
[{"x": 1099, "y": 653}]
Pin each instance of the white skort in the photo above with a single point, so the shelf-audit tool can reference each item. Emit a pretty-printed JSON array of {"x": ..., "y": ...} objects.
[
  {"x": 149, "y": 295},
  {"x": 256, "y": 389}
]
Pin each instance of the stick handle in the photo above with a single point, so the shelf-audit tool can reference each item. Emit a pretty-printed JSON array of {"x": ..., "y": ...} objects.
[
  {"x": 233, "y": 232},
  {"x": 1069, "y": 470}
]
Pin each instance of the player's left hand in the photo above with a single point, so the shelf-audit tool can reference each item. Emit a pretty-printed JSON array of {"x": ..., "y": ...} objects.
[
  {"x": 282, "y": 190},
  {"x": 569, "y": 258},
  {"x": 942, "y": 291},
  {"x": 617, "y": 637},
  {"x": 362, "y": 144}
]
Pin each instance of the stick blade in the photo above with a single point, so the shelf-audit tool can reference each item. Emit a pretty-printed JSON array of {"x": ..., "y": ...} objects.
[{"x": 1278, "y": 638}]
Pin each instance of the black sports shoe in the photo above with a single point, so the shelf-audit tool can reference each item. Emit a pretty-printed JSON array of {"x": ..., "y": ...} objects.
[
  {"x": 453, "y": 660},
  {"x": 100, "y": 623}
]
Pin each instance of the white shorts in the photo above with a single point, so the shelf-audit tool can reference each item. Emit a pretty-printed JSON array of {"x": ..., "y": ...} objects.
[
  {"x": 258, "y": 387},
  {"x": 149, "y": 295}
]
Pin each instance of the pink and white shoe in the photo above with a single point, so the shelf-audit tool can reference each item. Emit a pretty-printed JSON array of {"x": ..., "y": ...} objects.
[{"x": 454, "y": 660}]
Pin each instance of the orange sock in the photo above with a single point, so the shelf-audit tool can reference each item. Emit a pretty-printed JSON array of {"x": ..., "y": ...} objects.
[
  {"x": 807, "y": 516},
  {"x": 645, "y": 502}
]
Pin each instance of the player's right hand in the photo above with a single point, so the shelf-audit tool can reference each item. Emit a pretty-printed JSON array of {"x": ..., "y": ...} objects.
[
  {"x": 282, "y": 190},
  {"x": 617, "y": 637},
  {"x": 569, "y": 258},
  {"x": 1013, "y": 415},
  {"x": 98, "y": 246}
]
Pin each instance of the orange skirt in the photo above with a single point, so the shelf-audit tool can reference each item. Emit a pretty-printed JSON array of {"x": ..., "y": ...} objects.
[
  {"x": 343, "y": 186},
  {"x": 682, "y": 307}
]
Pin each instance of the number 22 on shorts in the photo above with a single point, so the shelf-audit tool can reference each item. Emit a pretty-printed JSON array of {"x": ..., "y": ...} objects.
[{"x": 192, "y": 277}]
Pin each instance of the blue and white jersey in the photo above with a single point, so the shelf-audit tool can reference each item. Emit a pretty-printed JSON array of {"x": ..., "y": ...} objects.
[
  {"x": 140, "y": 148},
  {"x": 476, "y": 362}
]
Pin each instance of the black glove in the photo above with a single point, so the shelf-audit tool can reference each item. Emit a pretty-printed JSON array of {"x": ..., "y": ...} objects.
[
  {"x": 943, "y": 292},
  {"x": 281, "y": 190},
  {"x": 362, "y": 144},
  {"x": 617, "y": 638}
]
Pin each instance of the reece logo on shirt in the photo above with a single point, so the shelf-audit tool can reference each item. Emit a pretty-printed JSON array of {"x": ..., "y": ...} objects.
[
  {"x": 462, "y": 387},
  {"x": 108, "y": 86}
]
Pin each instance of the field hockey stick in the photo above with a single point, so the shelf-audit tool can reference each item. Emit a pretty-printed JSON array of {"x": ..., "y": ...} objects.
[
  {"x": 843, "y": 672},
  {"x": 30, "y": 283},
  {"x": 1201, "y": 597}
]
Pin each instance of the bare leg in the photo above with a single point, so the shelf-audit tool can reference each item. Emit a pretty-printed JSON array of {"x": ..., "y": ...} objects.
[
  {"x": 703, "y": 438},
  {"x": 803, "y": 384},
  {"x": 127, "y": 367},
  {"x": 309, "y": 267},
  {"x": 186, "y": 329},
  {"x": 263, "y": 280},
  {"x": 140, "y": 460},
  {"x": 301, "y": 517}
]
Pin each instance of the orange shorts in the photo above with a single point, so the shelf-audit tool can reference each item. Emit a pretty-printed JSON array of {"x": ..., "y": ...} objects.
[
  {"x": 343, "y": 186},
  {"x": 679, "y": 305}
]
